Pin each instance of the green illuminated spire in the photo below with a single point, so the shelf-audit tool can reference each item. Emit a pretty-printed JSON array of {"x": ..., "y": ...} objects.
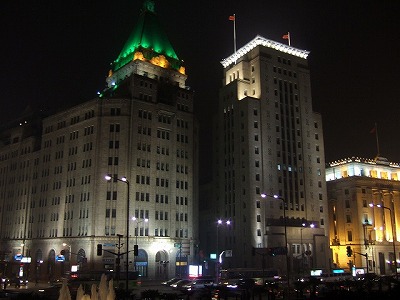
[{"x": 148, "y": 38}]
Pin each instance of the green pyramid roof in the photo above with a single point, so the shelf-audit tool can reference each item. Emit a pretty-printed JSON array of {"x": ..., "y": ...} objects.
[{"x": 148, "y": 37}]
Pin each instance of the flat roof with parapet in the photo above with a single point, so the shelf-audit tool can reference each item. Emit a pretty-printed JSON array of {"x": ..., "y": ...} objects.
[{"x": 259, "y": 40}]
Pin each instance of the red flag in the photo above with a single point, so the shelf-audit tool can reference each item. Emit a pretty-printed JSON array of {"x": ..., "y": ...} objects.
[
  {"x": 232, "y": 18},
  {"x": 285, "y": 36}
]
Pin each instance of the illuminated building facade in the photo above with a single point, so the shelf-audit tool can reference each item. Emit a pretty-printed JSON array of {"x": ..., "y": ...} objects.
[
  {"x": 364, "y": 197},
  {"x": 269, "y": 140},
  {"x": 52, "y": 182}
]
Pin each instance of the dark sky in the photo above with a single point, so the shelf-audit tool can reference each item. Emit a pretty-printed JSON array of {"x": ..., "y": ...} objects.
[{"x": 57, "y": 53}]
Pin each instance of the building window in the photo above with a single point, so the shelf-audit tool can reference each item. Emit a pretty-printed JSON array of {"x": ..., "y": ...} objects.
[
  {"x": 347, "y": 203},
  {"x": 348, "y": 218},
  {"x": 366, "y": 219},
  {"x": 349, "y": 236}
]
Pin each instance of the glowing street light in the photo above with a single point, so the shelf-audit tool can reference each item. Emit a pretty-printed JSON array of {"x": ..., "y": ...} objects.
[
  {"x": 136, "y": 249},
  {"x": 301, "y": 243},
  {"x": 393, "y": 234},
  {"x": 286, "y": 240},
  {"x": 124, "y": 180},
  {"x": 69, "y": 250},
  {"x": 219, "y": 262}
]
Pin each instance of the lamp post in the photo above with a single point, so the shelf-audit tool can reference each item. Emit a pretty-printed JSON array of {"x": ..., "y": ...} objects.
[
  {"x": 69, "y": 256},
  {"x": 125, "y": 180},
  {"x": 118, "y": 260},
  {"x": 69, "y": 250},
  {"x": 393, "y": 234},
  {"x": 286, "y": 240},
  {"x": 302, "y": 246},
  {"x": 137, "y": 230},
  {"x": 219, "y": 257},
  {"x": 301, "y": 238}
]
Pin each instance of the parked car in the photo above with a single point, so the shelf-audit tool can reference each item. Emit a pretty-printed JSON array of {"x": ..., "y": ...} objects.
[
  {"x": 197, "y": 284},
  {"x": 171, "y": 281},
  {"x": 18, "y": 281},
  {"x": 178, "y": 285},
  {"x": 242, "y": 283},
  {"x": 4, "y": 282}
]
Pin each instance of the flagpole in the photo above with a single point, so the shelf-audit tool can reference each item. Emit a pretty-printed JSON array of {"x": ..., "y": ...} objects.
[
  {"x": 234, "y": 35},
  {"x": 377, "y": 141},
  {"x": 286, "y": 36}
]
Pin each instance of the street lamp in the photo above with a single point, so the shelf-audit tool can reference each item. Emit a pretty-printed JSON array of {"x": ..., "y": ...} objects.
[
  {"x": 393, "y": 234},
  {"x": 301, "y": 235},
  {"x": 219, "y": 256},
  {"x": 137, "y": 231},
  {"x": 124, "y": 180},
  {"x": 69, "y": 257},
  {"x": 69, "y": 251},
  {"x": 286, "y": 240},
  {"x": 301, "y": 243}
]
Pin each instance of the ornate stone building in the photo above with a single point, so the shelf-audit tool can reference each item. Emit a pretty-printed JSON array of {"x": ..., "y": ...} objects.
[
  {"x": 364, "y": 196},
  {"x": 54, "y": 198}
]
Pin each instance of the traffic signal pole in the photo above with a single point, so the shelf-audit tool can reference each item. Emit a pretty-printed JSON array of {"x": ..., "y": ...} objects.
[{"x": 366, "y": 258}]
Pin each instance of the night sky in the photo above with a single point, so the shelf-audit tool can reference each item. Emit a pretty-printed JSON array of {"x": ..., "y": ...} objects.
[{"x": 57, "y": 53}]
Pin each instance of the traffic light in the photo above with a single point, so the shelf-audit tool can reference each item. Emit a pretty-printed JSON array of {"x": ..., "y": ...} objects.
[
  {"x": 271, "y": 251},
  {"x": 135, "y": 250},
  {"x": 99, "y": 249},
  {"x": 62, "y": 252},
  {"x": 349, "y": 251}
]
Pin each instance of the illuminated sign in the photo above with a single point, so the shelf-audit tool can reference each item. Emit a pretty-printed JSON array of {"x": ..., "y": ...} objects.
[
  {"x": 18, "y": 257},
  {"x": 316, "y": 272},
  {"x": 60, "y": 258},
  {"x": 195, "y": 270},
  {"x": 337, "y": 271},
  {"x": 26, "y": 259},
  {"x": 74, "y": 268}
]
